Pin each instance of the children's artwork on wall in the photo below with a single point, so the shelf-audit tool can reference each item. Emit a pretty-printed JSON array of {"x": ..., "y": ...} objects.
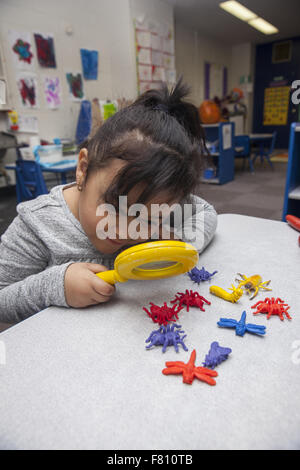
[
  {"x": 52, "y": 90},
  {"x": 89, "y": 60},
  {"x": 75, "y": 83},
  {"x": 45, "y": 50},
  {"x": 108, "y": 108},
  {"x": 27, "y": 85},
  {"x": 155, "y": 55},
  {"x": 145, "y": 73},
  {"x": 21, "y": 49}
]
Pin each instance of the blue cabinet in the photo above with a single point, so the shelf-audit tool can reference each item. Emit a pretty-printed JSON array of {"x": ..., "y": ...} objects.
[
  {"x": 220, "y": 140},
  {"x": 292, "y": 188}
]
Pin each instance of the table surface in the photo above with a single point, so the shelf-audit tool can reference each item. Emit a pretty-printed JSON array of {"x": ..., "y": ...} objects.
[
  {"x": 60, "y": 168},
  {"x": 82, "y": 379},
  {"x": 260, "y": 136}
]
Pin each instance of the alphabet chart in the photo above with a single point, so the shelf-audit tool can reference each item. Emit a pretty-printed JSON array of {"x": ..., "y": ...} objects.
[{"x": 276, "y": 105}]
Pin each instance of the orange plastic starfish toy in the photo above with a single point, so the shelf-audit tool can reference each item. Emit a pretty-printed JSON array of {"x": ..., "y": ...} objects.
[{"x": 189, "y": 371}]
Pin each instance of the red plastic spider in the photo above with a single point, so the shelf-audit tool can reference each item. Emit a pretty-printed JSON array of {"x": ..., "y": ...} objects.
[
  {"x": 163, "y": 315},
  {"x": 272, "y": 307},
  {"x": 190, "y": 298},
  {"x": 189, "y": 371}
]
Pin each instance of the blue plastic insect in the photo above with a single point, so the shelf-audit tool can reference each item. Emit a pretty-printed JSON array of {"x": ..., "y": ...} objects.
[
  {"x": 200, "y": 275},
  {"x": 216, "y": 355},
  {"x": 167, "y": 336},
  {"x": 241, "y": 326}
]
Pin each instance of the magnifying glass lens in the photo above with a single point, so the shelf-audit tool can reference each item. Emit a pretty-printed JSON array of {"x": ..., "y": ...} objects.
[{"x": 156, "y": 265}]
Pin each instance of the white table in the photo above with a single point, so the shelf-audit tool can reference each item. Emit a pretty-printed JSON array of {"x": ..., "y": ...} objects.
[{"x": 82, "y": 379}]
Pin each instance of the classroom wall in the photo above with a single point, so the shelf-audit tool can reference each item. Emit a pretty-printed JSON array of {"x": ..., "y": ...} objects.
[
  {"x": 192, "y": 51},
  {"x": 242, "y": 64},
  {"x": 96, "y": 24},
  {"x": 275, "y": 77},
  {"x": 155, "y": 10}
]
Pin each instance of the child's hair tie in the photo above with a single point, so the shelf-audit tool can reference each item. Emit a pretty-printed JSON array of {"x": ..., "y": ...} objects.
[{"x": 161, "y": 107}]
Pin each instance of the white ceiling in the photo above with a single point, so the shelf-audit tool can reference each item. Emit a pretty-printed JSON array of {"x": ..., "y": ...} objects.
[{"x": 210, "y": 20}]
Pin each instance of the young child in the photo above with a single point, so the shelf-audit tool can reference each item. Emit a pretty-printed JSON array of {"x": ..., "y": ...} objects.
[{"x": 151, "y": 151}]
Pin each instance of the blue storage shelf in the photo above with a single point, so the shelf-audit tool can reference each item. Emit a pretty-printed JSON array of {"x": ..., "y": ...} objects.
[
  {"x": 223, "y": 157},
  {"x": 292, "y": 188}
]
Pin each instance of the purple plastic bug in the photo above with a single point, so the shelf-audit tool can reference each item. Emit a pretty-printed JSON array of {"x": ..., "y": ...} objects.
[
  {"x": 216, "y": 355},
  {"x": 167, "y": 336},
  {"x": 200, "y": 275}
]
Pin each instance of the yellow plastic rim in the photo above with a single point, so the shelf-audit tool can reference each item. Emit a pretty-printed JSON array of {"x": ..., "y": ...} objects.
[{"x": 176, "y": 258}]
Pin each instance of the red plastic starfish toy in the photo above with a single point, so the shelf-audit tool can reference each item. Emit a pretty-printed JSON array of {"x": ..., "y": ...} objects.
[
  {"x": 190, "y": 298},
  {"x": 272, "y": 307},
  {"x": 189, "y": 371},
  {"x": 163, "y": 315}
]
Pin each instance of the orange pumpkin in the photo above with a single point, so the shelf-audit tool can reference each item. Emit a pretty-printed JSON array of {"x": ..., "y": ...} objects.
[{"x": 209, "y": 112}]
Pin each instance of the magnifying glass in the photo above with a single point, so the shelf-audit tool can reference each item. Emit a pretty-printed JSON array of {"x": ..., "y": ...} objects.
[{"x": 152, "y": 260}]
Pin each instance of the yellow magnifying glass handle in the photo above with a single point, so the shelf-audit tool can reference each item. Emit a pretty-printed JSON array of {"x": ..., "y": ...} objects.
[{"x": 111, "y": 277}]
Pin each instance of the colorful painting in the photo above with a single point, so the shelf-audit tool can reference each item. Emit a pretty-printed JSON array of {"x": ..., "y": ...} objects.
[
  {"x": 52, "y": 90},
  {"x": 45, "y": 50},
  {"x": 21, "y": 49},
  {"x": 89, "y": 60},
  {"x": 75, "y": 86},
  {"x": 27, "y": 85}
]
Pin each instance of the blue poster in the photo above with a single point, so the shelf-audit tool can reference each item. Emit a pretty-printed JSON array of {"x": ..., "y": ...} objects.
[{"x": 89, "y": 61}]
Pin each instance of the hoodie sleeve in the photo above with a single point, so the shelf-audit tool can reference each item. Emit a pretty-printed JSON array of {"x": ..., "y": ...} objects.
[{"x": 199, "y": 223}]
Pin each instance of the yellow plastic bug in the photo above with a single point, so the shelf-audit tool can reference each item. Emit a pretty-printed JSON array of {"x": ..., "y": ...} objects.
[
  {"x": 229, "y": 296},
  {"x": 252, "y": 283}
]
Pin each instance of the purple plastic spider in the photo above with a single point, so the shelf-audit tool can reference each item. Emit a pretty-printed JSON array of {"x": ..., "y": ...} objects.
[
  {"x": 199, "y": 275},
  {"x": 216, "y": 355},
  {"x": 167, "y": 336}
]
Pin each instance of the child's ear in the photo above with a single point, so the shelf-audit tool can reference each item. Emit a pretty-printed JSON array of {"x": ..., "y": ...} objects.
[{"x": 82, "y": 166}]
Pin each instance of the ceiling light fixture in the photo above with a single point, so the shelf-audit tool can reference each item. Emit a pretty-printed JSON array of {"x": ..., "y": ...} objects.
[
  {"x": 238, "y": 10},
  {"x": 263, "y": 26},
  {"x": 244, "y": 14}
]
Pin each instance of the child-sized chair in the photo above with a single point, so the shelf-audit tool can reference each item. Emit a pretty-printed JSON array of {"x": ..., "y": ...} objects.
[
  {"x": 242, "y": 150},
  {"x": 30, "y": 182},
  {"x": 265, "y": 152}
]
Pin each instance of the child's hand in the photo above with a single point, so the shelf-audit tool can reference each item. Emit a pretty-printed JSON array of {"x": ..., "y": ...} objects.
[{"x": 83, "y": 287}]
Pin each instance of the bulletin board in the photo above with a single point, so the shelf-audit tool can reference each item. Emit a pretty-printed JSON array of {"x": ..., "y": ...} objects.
[
  {"x": 276, "y": 106},
  {"x": 155, "y": 55}
]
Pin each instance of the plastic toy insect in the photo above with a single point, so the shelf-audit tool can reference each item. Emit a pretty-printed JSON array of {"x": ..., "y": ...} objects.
[
  {"x": 216, "y": 355},
  {"x": 190, "y": 298},
  {"x": 293, "y": 221},
  {"x": 272, "y": 307},
  {"x": 167, "y": 336},
  {"x": 189, "y": 371},
  {"x": 241, "y": 327},
  {"x": 200, "y": 275},
  {"x": 229, "y": 296},
  {"x": 252, "y": 283},
  {"x": 163, "y": 315}
]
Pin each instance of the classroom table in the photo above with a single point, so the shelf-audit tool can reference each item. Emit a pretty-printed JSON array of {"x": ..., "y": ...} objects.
[
  {"x": 82, "y": 379},
  {"x": 62, "y": 169},
  {"x": 262, "y": 140},
  {"x": 259, "y": 137}
]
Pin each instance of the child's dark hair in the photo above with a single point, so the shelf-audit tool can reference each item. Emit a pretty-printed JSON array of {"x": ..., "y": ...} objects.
[{"x": 160, "y": 139}]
